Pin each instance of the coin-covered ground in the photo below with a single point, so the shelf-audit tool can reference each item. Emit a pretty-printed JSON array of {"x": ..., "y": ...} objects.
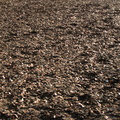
[{"x": 59, "y": 59}]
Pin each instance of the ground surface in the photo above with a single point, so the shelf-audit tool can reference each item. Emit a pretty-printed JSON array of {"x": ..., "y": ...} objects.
[{"x": 59, "y": 60}]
